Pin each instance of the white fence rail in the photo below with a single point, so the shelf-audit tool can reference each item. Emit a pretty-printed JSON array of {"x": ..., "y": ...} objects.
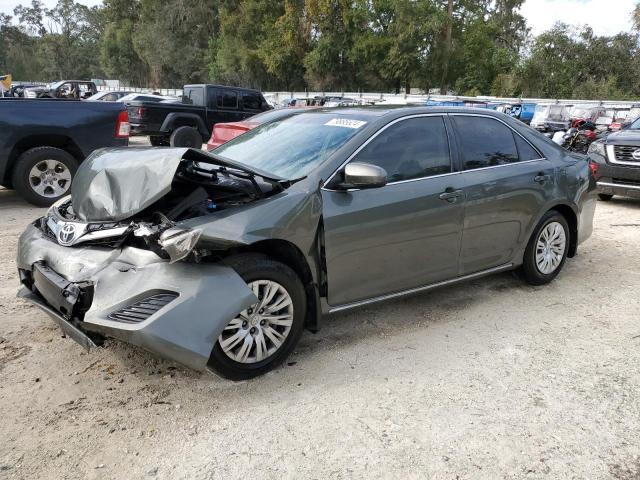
[{"x": 394, "y": 99}]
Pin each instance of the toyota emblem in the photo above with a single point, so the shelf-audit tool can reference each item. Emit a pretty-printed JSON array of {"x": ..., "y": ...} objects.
[
  {"x": 636, "y": 154},
  {"x": 67, "y": 234}
]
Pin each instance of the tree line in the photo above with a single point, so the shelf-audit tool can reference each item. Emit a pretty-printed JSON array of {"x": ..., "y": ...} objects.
[{"x": 469, "y": 47}]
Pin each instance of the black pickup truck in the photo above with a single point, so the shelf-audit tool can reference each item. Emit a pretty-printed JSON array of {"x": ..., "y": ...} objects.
[
  {"x": 189, "y": 123},
  {"x": 42, "y": 142},
  {"x": 616, "y": 160}
]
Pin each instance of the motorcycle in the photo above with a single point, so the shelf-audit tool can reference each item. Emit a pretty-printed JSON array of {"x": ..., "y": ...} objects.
[{"x": 577, "y": 138}]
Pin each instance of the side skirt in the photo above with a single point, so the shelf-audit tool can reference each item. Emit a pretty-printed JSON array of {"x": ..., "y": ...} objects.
[{"x": 390, "y": 296}]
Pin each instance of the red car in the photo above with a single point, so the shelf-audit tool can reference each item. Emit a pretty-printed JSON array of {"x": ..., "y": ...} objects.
[{"x": 223, "y": 132}]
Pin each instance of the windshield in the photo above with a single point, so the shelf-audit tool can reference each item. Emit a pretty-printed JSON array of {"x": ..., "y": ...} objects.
[
  {"x": 272, "y": 115},
  {"x": 292, "y": 147},
  {"x": 635, "y": 125}
]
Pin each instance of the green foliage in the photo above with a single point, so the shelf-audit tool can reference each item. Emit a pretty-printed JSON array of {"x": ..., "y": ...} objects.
[
  {"x": 566, "y": 62},
  {"x": 469, "y": 46}
]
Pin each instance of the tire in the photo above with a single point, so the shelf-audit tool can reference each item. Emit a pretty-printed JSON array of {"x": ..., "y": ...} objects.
[
  {"x": 186, "y": 137},
  {"x": 604, "y": 197},
  {"x": 58, "y": 168},
  {"x": 158, "y": 141},
  {"x": 254, "y": 268},
  {"x": 531, "y": 271}
]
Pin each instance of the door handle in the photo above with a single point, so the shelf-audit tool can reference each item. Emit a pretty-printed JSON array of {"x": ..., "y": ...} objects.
[
  {"x": 541, "y": 178},
  {"x": 451, "y": 195}
]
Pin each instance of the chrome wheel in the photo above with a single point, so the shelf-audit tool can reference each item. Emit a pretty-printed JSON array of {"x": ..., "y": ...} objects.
[
  {"x": 550, "y": 248},
  {"x": 50, "y": 178},
  {"x": 260, "y": 330}
]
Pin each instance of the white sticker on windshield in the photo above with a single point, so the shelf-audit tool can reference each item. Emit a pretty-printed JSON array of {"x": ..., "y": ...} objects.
[{"x": 345, "y": 122}]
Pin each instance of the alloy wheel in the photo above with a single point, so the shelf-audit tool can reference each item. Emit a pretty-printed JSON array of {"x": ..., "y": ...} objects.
[
  {"x": 550, "y": 248},
  {"x": 50, "y": 178},
  {"x": 259, "y": 331}
]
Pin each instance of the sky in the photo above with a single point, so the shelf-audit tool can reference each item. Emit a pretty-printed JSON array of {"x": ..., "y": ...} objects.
[{"x": 606, "y": 17}]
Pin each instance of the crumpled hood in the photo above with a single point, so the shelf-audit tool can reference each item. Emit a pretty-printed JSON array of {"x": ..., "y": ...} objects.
[{"x": 113, "y": 184}]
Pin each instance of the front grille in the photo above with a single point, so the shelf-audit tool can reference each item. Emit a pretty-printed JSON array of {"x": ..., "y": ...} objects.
[
  {"x": 624, "y": 153},
  {"x": 140, "y": 311}
]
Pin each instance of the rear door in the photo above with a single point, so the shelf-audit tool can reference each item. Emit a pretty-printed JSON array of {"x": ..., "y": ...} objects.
[
  {"x": 507, "y": 182},
  {"x": 401, "y": 236}
]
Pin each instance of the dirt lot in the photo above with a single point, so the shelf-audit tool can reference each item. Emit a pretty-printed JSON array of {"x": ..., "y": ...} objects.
[{"x": 490, "y": 379}]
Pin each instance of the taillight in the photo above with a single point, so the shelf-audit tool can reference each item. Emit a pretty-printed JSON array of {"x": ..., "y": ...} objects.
[
  {"x": 122, "y": 125},
  {"x": 140, "y": 111},
  {"x": 593, "y": 166}
]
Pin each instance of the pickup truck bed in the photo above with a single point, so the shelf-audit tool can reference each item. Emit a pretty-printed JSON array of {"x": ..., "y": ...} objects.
[{"x": 42, "y": 142}]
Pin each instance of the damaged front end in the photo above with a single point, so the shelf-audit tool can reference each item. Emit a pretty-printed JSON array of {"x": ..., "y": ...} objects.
[
  {"x": 118, "y": 199},
  {"x": 123, "y": 257}
]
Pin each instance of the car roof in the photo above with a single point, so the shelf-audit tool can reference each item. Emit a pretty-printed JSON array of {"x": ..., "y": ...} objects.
[
  {"x": 403, "y": 110},
  {"x": 222, "y": 86}
]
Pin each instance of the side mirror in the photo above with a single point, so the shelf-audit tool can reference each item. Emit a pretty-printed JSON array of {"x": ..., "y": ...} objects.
[{"x": 363, "y": 175}]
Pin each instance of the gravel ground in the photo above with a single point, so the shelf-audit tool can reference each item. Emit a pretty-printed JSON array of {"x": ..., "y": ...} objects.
[{"x": 488, "y": 379}]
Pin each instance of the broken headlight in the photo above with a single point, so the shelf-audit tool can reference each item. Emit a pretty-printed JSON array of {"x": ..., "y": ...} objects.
[{"x": 178, "y": 242}]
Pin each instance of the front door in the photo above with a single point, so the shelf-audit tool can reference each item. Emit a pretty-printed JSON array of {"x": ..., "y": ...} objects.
[
  {"x": 403, "y": 235},
  {"x": 506, "y": 185}
]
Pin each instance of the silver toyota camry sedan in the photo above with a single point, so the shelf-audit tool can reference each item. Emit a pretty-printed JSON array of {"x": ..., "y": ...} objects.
[{"x": 220, "y": 260}]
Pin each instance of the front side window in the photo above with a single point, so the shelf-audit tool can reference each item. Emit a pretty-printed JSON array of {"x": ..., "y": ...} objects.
[
  {"x": 484, "y": 142},
  {"x": 251, "y": 101},
  {"x": 227, "y": 99},
  {"x": 409, "y": 149}
]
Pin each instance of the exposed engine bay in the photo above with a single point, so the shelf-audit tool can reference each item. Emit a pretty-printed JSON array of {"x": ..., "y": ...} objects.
[{"x": 201, "y": 185}]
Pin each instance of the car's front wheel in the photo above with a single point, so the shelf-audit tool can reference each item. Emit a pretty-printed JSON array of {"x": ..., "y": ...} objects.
[
  {"x": 605, "y": 197},
  {"x": 261, "y": 337},
  {"x": 547, "y": 249},
  {"x": 42, "y": 175}
]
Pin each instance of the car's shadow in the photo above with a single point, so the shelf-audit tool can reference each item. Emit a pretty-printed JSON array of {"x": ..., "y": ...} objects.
[
  {"x": 339, "y": 331},
  {"x": 627, "y": 202},
  {"x": 416, "y": 311}
]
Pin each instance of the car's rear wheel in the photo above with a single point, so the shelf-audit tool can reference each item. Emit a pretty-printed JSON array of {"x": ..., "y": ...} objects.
[
  {"x": 186, "y": 137},
  {"x": 605, "y": 197},
  {"x": 547, "y": 249},
  {"x": 261, "y": 337},
  {"x": 42, "y": 175}
]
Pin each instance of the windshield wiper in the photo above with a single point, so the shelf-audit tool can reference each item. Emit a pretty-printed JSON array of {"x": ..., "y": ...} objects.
[{"x": 213, "y": 159}]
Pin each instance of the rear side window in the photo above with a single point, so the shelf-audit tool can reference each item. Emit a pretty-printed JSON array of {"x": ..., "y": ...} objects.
[
  {"x": 484, "y": 142},
  {"x": 193, "y": 96},
  {"x": 251, "y": 101},
  {"x": 227, "y": 99},
  {"x": 409, "y": 149},
  {"x": 525, "y": 151}
]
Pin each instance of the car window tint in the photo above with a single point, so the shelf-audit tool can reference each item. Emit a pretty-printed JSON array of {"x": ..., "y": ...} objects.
[
  {"x": 193, "y": 96},
  {"x": 251, "y": 101},
  {"x": 412, "y": 148},
  {"x": 484, "y": 142},
  {"x": 227, "y": 99},
  {"x": 525, "y": 151}
]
